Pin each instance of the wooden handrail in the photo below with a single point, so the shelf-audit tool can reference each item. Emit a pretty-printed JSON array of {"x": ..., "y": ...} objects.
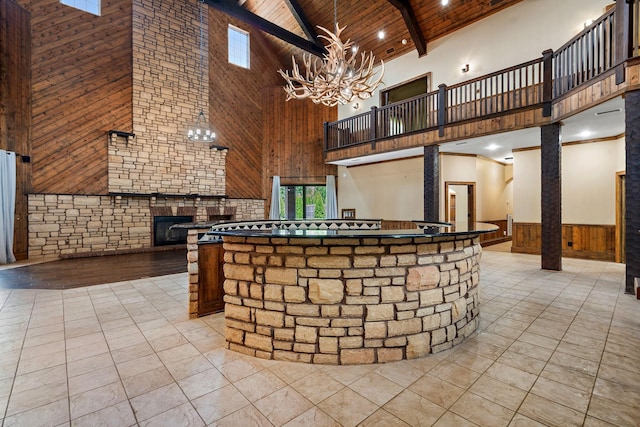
[{"x": 585, "y": 56}]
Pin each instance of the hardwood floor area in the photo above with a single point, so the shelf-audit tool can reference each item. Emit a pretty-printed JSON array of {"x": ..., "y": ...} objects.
[{"x": 77, "y": 272}]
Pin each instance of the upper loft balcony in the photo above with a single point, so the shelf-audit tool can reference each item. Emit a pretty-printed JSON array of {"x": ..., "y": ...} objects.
[{"x": 597, "y": 65}]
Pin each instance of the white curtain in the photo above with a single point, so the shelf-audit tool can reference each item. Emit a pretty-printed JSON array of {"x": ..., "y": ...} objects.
[
  {"x": 274, "y": 212},
  {"x": 7, "y": 205},
  {"x": 331, "y": 206}
]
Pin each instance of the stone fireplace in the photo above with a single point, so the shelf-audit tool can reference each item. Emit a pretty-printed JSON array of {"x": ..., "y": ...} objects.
[{"x": 158, "y": 172}]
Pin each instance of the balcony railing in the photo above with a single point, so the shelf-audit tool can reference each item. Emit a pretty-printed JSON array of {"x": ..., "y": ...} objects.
[
  {"x": 496, "y": 93},
  {"x": 587, "y": 55},
  {"x": 506, "y": 90},
  {"x": 534, "y": 84}
]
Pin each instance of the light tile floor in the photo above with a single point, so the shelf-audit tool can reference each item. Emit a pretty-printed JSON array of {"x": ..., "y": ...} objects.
[{"x": 554, "y": 348}]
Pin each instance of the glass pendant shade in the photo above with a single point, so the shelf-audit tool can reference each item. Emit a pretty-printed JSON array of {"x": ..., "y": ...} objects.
[{"x": 200, "y": 131}]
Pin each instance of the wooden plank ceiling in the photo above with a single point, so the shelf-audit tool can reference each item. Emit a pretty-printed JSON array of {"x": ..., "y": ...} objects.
[{"x": 365, "y": 18}]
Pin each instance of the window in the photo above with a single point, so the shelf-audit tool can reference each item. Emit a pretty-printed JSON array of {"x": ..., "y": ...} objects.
[
  {"x": 302, "y": 201},
  {"x": 91, "y": 6},
  {"x": 406, "y": 90},
  {"x": 238, "y": 47}
]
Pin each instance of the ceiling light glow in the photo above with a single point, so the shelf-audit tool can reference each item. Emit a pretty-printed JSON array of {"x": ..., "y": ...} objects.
[
  {"x": 381, "y": 34},
  {"x": 492, "y": 147},
  {"x": 585, "y": 134},
  {"x": 445, "y": 2}
]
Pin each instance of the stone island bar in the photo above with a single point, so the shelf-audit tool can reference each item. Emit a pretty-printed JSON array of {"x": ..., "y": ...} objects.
[{"x": 347, "y": 292}]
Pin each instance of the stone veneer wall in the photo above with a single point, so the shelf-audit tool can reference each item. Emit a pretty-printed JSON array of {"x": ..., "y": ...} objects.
[
  {"x": 75, "y": 225},
  {"x": 166, "y": 101},
  {"x": 349, "y": 301}
]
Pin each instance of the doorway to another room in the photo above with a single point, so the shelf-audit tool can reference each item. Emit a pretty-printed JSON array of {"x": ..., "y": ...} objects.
[{"x": 460, "y": 202}]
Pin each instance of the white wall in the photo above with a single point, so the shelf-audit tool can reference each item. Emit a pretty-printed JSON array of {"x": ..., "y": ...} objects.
[
  {"x": 515, "y": 35},
  {"x": 394, "y": 190},
  {"x": 588, "y": 183},
  {"x": 494, "y": 195},
  {"x": 526, "y": 186},
  {"x": 388, "y": 190}
]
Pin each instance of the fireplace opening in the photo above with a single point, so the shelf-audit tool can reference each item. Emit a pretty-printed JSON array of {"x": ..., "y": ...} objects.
[
  {"x": 221, "y": 217},
  {"x": 163, "y": 234}
]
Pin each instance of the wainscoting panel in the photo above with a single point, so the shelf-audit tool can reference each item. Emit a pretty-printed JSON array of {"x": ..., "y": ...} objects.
[
  {"x": 497, "y": 236},
  {"x": 595, "y": 242}
]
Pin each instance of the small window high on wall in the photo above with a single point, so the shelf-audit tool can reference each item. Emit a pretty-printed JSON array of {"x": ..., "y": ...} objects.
[
  {"x": 238, "y": 47},
  {"x": 91, "y": 6}
]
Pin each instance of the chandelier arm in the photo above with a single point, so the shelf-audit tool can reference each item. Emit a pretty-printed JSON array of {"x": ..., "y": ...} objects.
[{"x": 337, "y": 77}]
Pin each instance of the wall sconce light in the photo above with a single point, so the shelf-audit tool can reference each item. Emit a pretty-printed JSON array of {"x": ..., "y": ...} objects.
[
  {"x": 588, "y": 22},
  {"x": 465, "y": 69}
]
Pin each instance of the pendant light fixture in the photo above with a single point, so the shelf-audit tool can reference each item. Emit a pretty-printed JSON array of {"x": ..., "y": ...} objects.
[
  {"x": 337, "y": 78},
  {"x": 200, "y": 130}
]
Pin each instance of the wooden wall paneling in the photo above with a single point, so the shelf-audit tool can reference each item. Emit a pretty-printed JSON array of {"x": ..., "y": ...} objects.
[
  {"x": 236, "y": 104},
  {"x": 387, "y": 224},
  {"x": 15, "y": 108},
  {"x": 82, "y": 87},
  {"x": 293, "y": 140},
  {"x": 526, "y": 238},
  {"x": 595, "y": 242},
  {"x": 497, "y": 236}
]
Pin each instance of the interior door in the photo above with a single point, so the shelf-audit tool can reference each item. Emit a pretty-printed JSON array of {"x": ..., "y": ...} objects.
[{"x": 452, "y": 207}]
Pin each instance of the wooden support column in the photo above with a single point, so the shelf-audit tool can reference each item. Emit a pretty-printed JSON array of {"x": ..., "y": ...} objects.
[
  {"x": 432, "y": 183},
  {"x": 551, "y": 149},
  {"x": 632, "y": 187}
]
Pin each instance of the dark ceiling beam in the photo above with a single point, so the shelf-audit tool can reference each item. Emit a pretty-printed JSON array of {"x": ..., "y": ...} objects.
[
  {"x": 231, "y": 8},
  {"x": 301, "y": 18},
  {"x": 412, "y": 25}
]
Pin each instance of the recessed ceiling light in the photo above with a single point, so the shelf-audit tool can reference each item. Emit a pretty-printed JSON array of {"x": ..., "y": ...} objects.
[
  {"x": 492, "y": 147},
  {"x": 445, "y": 2},
  {"x": 585, "y": 134},
  {"x": 404, "y": 41},
  {"x": 381, "y": 34}
]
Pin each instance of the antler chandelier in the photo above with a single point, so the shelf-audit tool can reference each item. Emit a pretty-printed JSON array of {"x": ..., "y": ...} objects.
[{"x": 336, "y": 78}]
